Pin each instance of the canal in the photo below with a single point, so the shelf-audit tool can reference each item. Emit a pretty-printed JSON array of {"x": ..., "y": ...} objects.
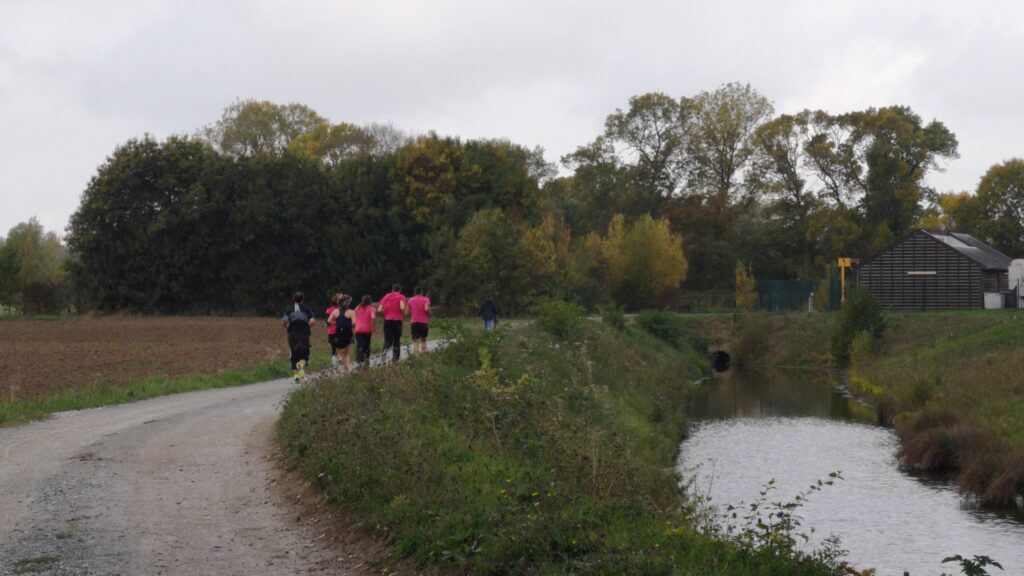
[{"x": 797, "y": 427}]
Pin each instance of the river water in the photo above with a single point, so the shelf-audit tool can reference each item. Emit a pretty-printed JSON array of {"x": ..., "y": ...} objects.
[{"x": 798, "y": 427}]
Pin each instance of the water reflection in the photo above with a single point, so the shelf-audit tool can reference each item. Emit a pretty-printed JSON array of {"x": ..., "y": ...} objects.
[
  {"x": 796, "y": 428},
  {"x": 739, "y": 393}
]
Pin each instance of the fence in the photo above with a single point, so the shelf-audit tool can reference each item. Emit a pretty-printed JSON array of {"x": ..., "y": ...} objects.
[{"x": 779, "y": 295}]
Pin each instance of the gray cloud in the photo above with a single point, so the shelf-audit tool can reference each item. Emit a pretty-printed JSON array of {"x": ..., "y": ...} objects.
[{"x": 76, "y": 79}]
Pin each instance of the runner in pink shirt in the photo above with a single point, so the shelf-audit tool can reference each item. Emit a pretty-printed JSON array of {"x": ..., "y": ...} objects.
[
  {"x": 419, "y": 312},
  {"x": 392, "y": 306},
  {"x": 364, "y": 315}
]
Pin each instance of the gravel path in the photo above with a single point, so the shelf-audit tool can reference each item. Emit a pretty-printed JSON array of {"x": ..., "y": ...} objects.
[{"x": 175, "y": 485}]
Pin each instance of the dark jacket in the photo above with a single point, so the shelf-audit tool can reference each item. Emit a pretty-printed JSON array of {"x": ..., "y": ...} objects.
[{"x": 489, "y": 310}]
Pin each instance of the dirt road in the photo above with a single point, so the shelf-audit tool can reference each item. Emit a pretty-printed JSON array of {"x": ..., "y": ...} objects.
[{"x": 175, "y": 485}]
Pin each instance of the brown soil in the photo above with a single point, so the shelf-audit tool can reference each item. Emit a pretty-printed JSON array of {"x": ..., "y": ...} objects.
[{"x": 39, "y": 357}]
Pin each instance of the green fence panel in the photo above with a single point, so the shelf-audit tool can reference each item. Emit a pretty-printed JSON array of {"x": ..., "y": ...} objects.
[{"x": 778, "y": 295}]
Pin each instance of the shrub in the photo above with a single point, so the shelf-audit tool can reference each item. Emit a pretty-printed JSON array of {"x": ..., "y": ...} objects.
[
  {"x": 674, "y": 329},
  {"x": 752, "y": 339},
  {"x": 860, "y": 313},
  {"x": 864, "y": 348},
  {"x": 558, "y": 318},
  {"x": 613, "y": 316},
  {"x": 662, "y": 325}
]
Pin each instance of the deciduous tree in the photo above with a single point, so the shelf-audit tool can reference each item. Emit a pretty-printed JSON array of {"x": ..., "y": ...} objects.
[
  {"x": 32, "y": 267},
  {"x": 251, "y": 127},
  {"x": 645, "y": 260},
  {"x": 1001, "y": 195}
]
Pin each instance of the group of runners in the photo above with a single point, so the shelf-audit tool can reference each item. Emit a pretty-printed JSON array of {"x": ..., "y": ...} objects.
[{"x": 345, "y": 324}]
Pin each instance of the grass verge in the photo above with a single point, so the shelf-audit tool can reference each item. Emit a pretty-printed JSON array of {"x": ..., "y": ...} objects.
[
  {"x": 517, "y": 452},
  {"x": 26, "y": 409}
]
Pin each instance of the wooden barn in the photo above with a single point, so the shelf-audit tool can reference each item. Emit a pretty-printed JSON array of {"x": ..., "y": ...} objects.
[{"x": 936, "y": 270}]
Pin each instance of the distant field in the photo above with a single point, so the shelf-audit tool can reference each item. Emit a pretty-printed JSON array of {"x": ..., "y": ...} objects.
[{"x": 46, "y": 357}]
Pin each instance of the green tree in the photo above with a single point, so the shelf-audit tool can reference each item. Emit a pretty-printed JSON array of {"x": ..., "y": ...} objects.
[
  {"x": 444, "y": 181},
  {"x": 152, "y": 230},
  {"x": 860, "y": 314},
  {"x": 651, "y": 131},
  {"x": 8, "y": 272},
  {"x": 903, "y": 149},
  {"x": 495, "y": 256},
  {"x": 1001, "y": 195},
  {"x": 597, "y": 189},
  {"x": 645, "y": 261},
  {"x": 778, "y": 177},
  {"x": 720, "y": 126},
  {"x": 251, "y": 127},
  {"x": 333, "y": 143},
  {"x": 963, "y": 212},
  {"x": 32, "y": 265}
]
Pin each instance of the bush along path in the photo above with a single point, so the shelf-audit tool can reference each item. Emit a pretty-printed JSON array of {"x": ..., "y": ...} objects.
[{"x": 524, "y": 452}]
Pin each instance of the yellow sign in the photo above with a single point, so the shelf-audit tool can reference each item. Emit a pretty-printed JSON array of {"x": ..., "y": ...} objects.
[{"x": 845, "y": 263}]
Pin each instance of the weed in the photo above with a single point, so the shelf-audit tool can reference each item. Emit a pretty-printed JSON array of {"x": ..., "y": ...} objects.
[
  {"x": 976, "y": 566},
  {"x": 35, "y": 565}
]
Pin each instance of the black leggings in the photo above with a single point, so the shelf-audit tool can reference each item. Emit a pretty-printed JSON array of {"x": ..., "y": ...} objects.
[
  {"x": 363, "y": 347},
  {"x": 299, "y": 345},
  {"x": 393, "y": 337}
]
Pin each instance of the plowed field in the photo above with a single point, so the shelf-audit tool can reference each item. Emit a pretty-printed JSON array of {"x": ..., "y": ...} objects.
[{"x": 39, "y": 357}]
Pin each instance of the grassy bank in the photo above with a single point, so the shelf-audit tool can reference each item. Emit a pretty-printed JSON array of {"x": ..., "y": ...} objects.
[
  {"x": 517, "y": 452},
  {"x": 952, "y": 384}
]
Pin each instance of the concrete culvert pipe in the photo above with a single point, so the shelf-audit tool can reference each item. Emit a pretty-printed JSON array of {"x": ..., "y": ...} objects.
[{"x": 720, "y": 360}]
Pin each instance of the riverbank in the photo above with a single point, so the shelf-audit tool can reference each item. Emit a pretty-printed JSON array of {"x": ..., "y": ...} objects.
[
  {"x": 951, "y": 383},
  {"x": 519, "y": 452}
]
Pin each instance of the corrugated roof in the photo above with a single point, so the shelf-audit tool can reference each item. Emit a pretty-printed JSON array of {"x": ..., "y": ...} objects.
[{"x": 986, "y": 256}]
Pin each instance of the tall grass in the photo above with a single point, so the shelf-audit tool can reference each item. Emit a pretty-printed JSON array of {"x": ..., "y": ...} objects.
[{"x": 519, "y": 452}]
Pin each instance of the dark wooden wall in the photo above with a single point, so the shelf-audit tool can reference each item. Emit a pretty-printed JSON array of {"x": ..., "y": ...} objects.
[
  {"x": 957, "y": 283},
  {"x": 993, "y": 281}
]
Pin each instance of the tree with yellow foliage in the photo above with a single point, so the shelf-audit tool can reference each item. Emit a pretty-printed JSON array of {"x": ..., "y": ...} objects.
[
  {"x": 746, "y": 289},
  {"x": 645, "y": 261}
]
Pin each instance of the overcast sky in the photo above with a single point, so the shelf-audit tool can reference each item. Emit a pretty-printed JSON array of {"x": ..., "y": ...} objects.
[{"x": 77, "y": 78}]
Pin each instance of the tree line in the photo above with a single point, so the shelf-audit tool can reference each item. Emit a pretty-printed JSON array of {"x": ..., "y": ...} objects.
[{"x": 674, "y": 192}]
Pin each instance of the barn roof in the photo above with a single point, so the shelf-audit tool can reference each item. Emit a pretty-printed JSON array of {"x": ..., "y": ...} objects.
[{"x": 986, "y": 256}]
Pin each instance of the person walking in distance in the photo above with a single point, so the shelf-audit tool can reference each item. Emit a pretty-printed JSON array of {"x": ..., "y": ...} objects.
[
  {"x": 298, "y": 322},
  {"x": 364, "y": 315},
  {"x": 340, "y": 317},
  {"x": 419, "y": 315},
  {"x": 489, "y": 313},
  {"x": 392, "y": 306}
]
